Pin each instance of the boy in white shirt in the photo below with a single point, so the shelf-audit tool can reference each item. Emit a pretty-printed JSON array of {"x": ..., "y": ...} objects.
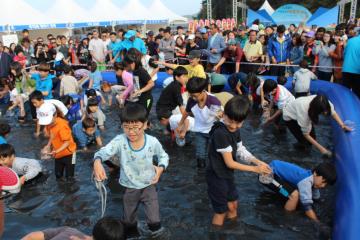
[{"x": 302, "y": 79}]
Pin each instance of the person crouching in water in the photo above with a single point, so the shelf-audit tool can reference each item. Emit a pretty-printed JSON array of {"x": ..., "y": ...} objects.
[{"x": 295, "y": 184}]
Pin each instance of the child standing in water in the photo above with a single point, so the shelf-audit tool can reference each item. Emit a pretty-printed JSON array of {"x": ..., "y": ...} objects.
[
  {"x": 206, "y": 109},
  {"x": 138, "y": 174},
  {"x": 225, "y": 147},
  {"x": 61, "y": 142}
]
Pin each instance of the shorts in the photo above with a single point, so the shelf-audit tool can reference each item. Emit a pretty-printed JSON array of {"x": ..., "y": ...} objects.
[
  {"x": 284, "y": 189},
  {"x": 220, "y": 191}
]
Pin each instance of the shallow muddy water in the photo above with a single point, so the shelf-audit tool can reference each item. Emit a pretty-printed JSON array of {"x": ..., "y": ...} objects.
[{"x": 184, "y": 205}]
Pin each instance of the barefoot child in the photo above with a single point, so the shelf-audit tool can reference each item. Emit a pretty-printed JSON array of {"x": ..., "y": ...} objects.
[
  {"x": 61, "y": 142},
  {"x": 225, "y": 147},
  {"x": 138, "y": 175}
]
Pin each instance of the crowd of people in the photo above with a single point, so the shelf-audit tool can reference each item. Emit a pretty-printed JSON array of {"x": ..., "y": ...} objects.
[{"x": 58, "y": 83}]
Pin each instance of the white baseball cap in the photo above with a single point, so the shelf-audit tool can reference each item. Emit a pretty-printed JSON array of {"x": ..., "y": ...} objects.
[
  {"x": 45, "y": 113},
  {"x": 191, "y": 37}
]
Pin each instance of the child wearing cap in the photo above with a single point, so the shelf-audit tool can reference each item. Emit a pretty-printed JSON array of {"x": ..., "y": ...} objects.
[
  {"x": 195, "y": 69},
  {"x": 61, "y": 144},
  {"x": 37, "y": 100},
  {"x": 233, "y": 54}
]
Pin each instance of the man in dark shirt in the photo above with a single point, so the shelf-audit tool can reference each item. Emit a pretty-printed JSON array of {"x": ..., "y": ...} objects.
[
  {"x": 151, "y": 44},
  {"x": 64, "y": 49},
  {"x": 5, "y": 61},
  {"x": 230, "y": 61},
  {"x": 171, "y": 96}
]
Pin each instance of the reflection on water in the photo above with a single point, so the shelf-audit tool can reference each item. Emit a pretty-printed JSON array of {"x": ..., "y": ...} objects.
[{"x": 184, "y": 205}]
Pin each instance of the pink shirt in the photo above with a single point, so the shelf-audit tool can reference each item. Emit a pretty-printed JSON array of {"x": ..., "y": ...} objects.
[{"x": 128, "y": 82}]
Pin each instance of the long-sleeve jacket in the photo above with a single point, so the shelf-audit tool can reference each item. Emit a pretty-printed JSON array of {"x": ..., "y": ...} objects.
[
  {"x": 136, "y": 166},
  {"x": 279, "y": 48}
]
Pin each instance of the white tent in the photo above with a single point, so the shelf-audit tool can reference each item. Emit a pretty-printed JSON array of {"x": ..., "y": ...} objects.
[
  {"x": 17, "y": 14},
  {"x": 163, "y": 12},
  {"x": 65, "y": 12},
  {"x": 137, "y": 10},
  {"x": 266, "y": 6},
  {"x": 106, "y": 11}
]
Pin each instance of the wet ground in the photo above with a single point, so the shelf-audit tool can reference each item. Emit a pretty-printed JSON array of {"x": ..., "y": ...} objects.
[{"x": 184, "y": 204}]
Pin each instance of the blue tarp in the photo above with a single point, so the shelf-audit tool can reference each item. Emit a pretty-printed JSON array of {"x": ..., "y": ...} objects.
[
  {"x": 327, "y": 18},
  {"x": 265, "y": 14},
  {"x": 252, "y": 16},
  {"x": 318, "y": 12}
]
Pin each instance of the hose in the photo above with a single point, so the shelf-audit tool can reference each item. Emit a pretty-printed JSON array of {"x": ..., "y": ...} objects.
[{"x": 102, "y": 194}]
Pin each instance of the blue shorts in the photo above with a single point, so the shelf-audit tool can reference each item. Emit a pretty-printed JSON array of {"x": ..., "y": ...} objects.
[{"x": 220, "y": 191}]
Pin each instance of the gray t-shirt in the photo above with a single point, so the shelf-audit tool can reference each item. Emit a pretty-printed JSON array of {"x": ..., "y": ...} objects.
[
  {"x": 27, "y": 167},
  {"x": 62, "y": 233},
  {"x": 324, "y": 59}
]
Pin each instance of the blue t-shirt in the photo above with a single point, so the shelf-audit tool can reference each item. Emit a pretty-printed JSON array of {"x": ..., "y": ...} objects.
[
  {"x": 74, "y": 113},
  {"x": 351, "y": 56},
  {"x": 2, "y": 140},
  {"x": 97, "y": 78},
  {"x": 81, "y": 138},
  {"x": 298, "y": 177},
  {"x": 138, "y": 43},
  {"x": 44, "y": 85},
  {"x": 115, "y": 47}
]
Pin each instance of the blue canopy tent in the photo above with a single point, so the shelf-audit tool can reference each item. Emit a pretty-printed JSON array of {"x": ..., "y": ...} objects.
[
  {"x": 291, "y": 13},
  {"x": 266, "y": 15},
  {"x": 318, "y": 12},
  {"x": 252, "y": 16},
  {"x": 328, "y": 18}
]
